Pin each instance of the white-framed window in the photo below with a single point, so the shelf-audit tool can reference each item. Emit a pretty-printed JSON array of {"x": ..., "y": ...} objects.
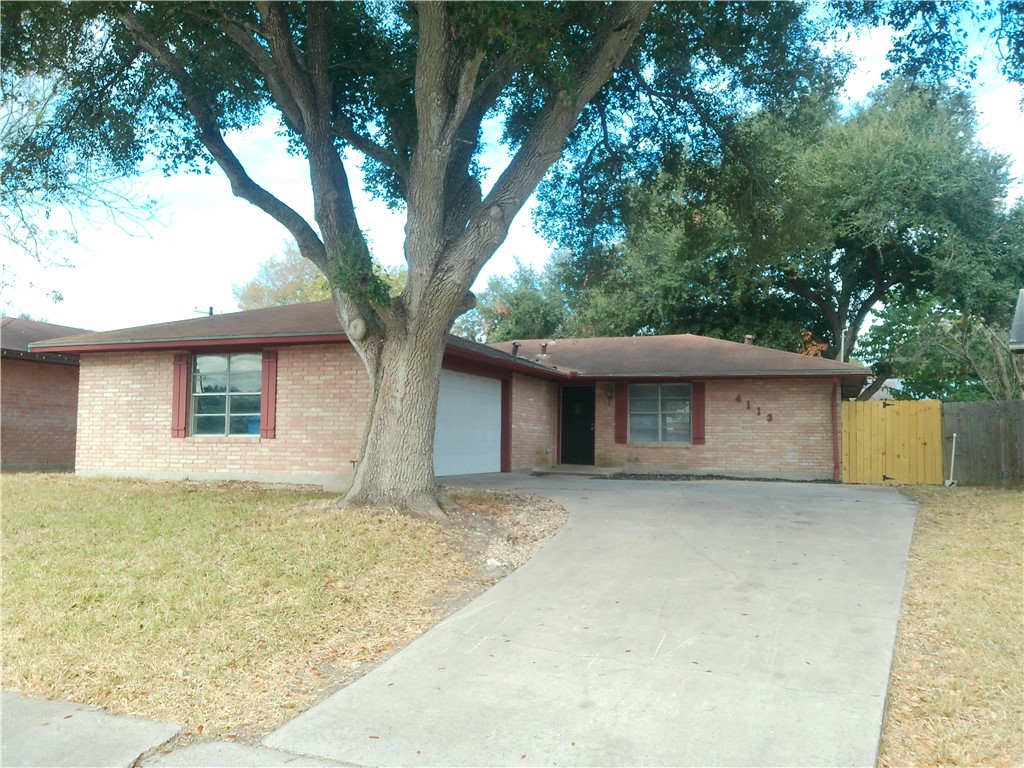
[
  {"x": 660, "y": 413},
  {"x": 226, "y": 394}
]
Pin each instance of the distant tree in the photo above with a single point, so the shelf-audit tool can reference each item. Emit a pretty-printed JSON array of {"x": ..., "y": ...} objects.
[
  {"x": 46, "y": 194},
  {"x": 811, "y": 220},
  {"x": 292, "y": 279},
  {"x": 526, "y": 305},
  {"x": 646, "y": 289},
  {"x": 43, "y": 189},
  {"x": 944, "y": 354}
]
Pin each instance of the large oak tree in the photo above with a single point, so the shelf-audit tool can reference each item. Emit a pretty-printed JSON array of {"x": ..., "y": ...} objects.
[
  {"x": 408, "y": 87},
  {"x": 812, "y": 221}
]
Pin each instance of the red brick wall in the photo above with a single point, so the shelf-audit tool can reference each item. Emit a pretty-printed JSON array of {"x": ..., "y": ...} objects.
[
  {"x": 740, "y": 440},
  {"x": 125, "y": 420},
  {"x": 38, "y": 404},
  {"x": 534, "y": 415}
]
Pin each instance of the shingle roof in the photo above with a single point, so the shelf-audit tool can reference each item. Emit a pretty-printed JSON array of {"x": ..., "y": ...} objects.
[
  {"x": 683, "y": 355},
  {"x": 1017, "y": 328},
  {"x": 635, "y": 357},
  {"x": 292, "y": 324},
  {"x": 316, "y": 319},
  {"x": 17, "y": 333}
]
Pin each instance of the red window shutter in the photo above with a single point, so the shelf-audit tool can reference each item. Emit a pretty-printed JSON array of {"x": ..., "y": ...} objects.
[
  {"x": 268, "y": 395},
  {"x": 621, "y": 413},
  {"x": 179, "y": 404},
  {"x": 697, "y": 412}
]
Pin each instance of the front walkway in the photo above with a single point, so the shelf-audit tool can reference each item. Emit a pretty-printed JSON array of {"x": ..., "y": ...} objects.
[{"x": 701, "y": 623}]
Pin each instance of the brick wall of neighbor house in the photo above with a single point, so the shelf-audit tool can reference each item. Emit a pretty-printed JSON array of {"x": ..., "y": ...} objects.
[
  {"x": 38, "y": 404},
  {"x": 533, "y": 418},
  {"x": 125, "y": 420},
  {"x": 740, "y": 440}
]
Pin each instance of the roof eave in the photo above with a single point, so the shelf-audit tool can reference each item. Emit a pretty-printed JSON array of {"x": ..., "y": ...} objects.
[
  {"x": 190, "y": 342},
  {"x": 748, "y": 374}
]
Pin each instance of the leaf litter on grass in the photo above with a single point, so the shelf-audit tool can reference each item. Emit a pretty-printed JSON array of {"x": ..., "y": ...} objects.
[{"x": 956, "y": 695}]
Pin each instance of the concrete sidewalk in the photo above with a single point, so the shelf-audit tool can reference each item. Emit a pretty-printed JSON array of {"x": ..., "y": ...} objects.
[
  {"x": 55, "y": 734},
  {"x": 698, "y": 623},
  {"x": 37, "y": 733}
]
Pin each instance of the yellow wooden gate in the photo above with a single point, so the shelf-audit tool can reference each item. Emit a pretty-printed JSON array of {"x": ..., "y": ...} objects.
[{"x": 892, "y": 442}]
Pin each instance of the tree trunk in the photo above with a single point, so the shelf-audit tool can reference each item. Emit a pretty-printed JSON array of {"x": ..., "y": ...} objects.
[{"x": 396, "y": 464}]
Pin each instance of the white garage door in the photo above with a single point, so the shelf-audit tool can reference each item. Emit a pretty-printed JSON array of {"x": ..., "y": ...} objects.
[{"x": 467, "y": 438}]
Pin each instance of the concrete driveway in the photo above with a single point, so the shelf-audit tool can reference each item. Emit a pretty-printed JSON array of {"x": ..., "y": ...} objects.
[{"x": 699, "y": 623}]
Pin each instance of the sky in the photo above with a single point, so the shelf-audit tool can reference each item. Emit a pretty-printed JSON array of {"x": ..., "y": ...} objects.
[{"x": 204, "y": 240}]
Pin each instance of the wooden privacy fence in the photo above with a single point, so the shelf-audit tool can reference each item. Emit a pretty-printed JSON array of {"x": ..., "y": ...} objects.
[
  {"x": 989, "y": 442},
  {"x": 892, "y": 442}
]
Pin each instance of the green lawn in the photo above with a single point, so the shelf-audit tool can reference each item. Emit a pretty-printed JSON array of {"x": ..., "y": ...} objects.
[{"x": 224, "y": 606}]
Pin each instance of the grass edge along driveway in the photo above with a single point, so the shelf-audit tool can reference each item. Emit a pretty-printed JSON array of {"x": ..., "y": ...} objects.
[{"x": 956, "y": 696}]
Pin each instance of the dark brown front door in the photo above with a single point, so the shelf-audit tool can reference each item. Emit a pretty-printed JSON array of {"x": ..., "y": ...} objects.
[{"x": 577, "y": 425}]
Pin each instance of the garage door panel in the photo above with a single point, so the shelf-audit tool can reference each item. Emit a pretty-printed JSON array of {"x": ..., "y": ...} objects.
[{"x": 467, "y": 437}]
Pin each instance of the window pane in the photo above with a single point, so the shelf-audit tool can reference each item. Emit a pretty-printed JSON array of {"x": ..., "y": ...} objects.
[
  {"x": 215, "y": 383},
  {"x": 209, "y": 425},
  {"x": 243, "y": 363},
  {"x": 643, "y": 405},
  {"x": 245, "y": 382},
  {"x": 213, "y": 413},
  {"x": 637, "y": 435},
  {"x": 211, "y": 364},
  {"x": 643, "y": 428},
  {"x": 210, "y": 404},
  {"x": 642, "y": 391},
  {"x": 675, "y": 391},
  {"x": 675, "y": 406},
  {"x": 675, "y": 429},
  {"x": 659, "y": 413},
  {"x": 245, "y": 425},
  {"x": 245, "y": 404}
]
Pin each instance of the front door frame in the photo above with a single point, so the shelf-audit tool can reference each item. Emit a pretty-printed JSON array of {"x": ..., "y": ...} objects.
[{"x": 581, "y": 450}]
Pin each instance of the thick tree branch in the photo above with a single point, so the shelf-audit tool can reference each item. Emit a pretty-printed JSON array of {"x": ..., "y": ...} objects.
[
  {"x": 543, "y": 145},
  {"x": 343, "y": 129},
  {"x": 800, "y": 288},
  {"x": 242, "y": 33},
  {"x": 209, "y": 134}
]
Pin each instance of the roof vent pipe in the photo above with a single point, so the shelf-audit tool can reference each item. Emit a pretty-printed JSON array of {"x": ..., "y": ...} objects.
[
  {"x": 543, "y": 347},
  {"x": 515, "y": 348},
  {"x": 749, "y": 339}
]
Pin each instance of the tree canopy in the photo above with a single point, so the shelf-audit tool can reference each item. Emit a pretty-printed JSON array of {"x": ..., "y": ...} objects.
[
  {"x": 810, "y": 221},
  {"x": 528, "y": 304},
  {"x": 291, "y": 279}
]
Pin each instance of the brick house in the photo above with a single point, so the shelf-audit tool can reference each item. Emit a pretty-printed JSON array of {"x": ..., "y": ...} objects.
[
  {"x": 280, "y": 395},
  {"x": 38, "y": 399}
]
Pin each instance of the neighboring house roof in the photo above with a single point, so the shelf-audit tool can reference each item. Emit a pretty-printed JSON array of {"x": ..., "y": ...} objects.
[
  {"x": 683, "y": 355},
  {"x": 1017, "y": 328},
  {"x": 17, "y": 334},
  {"x": 634, "y": 357}
]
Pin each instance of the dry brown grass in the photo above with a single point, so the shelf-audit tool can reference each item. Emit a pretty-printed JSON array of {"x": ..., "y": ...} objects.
[
  {"x": 226, "y": 608},
  {"x": 957, "y": 690}
]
